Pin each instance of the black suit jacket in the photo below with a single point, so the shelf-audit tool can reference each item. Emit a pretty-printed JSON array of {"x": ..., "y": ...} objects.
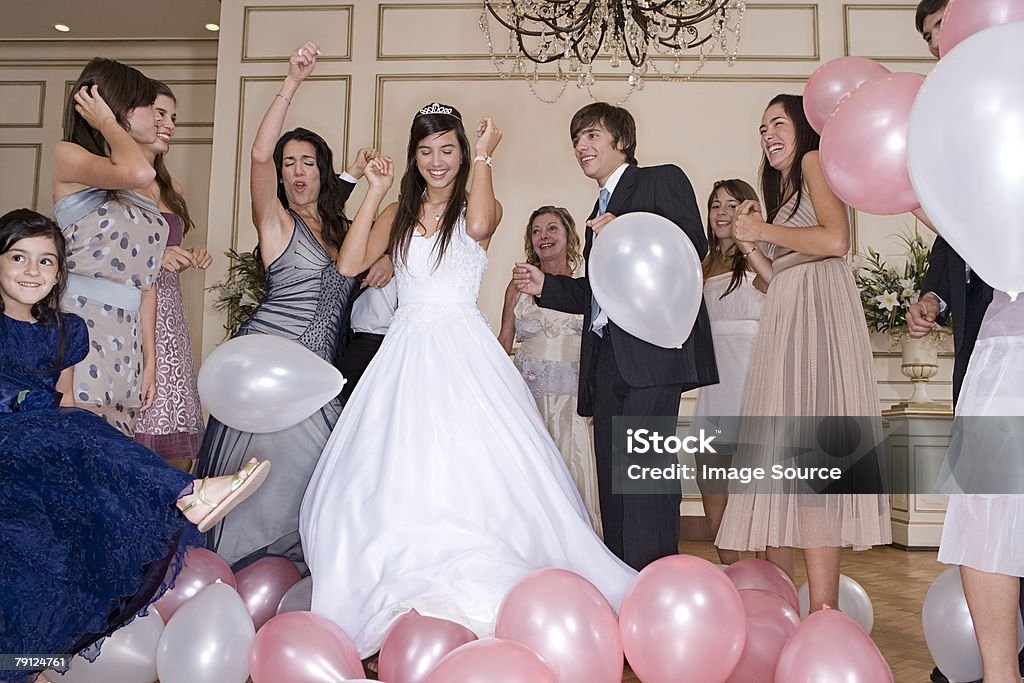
[
  {"x": 666, "y": 191},
  {"x": 965, "y": 301}
]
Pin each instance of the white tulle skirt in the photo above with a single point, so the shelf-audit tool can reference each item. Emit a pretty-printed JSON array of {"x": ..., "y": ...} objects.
[{"x": 440, "y": 487}]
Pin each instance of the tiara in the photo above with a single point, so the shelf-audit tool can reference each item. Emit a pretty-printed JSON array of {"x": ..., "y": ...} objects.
[{"x": 437, "y": 108}]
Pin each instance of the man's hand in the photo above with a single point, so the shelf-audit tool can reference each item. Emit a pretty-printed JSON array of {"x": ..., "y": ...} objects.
[
  {"x": 597, "y": 223},
  {"x": 380, "y": 273},
  {"x": 358, "y": 165},
  {"x": 921, "y": 316},
  {"x": 528, "y": 279}
]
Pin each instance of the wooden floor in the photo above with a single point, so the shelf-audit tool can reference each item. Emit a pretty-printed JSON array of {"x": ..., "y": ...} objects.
[{"x": 897, "y": 581}]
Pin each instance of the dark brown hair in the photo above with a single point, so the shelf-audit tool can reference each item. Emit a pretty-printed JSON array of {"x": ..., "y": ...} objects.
[
  {"x": 572, "y": 238},
  {"x": 618, "y": 121},
  {"x": 924, "y": 8},
  {"x": 776, "y": 188},
  {"x": 121, "y": 87},
  {"x": 171, "y": 197},
  {"x": 741, "y": 191},
  {"x": 413, "y": 187}
]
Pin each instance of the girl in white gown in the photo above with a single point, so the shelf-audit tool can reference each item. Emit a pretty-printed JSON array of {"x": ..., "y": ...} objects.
[
  {"x": 440, "y": 487},
  {"x": 984, "y": 472}
]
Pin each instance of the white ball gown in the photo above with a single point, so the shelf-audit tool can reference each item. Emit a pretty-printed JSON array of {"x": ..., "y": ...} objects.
[{"x": 440, "y": 486}]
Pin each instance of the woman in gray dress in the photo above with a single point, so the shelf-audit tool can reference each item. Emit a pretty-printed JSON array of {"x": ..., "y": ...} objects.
[{"x": 297, "y": 207}]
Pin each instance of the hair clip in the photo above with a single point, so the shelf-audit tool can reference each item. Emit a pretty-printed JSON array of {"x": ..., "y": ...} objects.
[{"x": 437, "y": 108}]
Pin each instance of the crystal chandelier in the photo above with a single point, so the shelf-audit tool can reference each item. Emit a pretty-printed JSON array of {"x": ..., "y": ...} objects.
[{"x": 574, "y": 34}]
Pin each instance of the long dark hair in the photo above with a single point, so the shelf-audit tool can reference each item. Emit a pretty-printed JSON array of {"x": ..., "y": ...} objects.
[
  {"x": 572, "y": 238},
  {"x": 776, "y": 188},
  {"x": 741, "y": 191},
  {"x": 171, "y": 197},
  {"x": 121, "y": 87},
  {"x": 329, "y": 204},
  {"x": 22, "y": 224},
  {"x": 413, "y": 186}
]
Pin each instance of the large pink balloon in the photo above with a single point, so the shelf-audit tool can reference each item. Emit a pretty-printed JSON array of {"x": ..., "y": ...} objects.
[
  {"x": 415, "y": 644},
  {"x": 832, "y": 81},
  {"x": 492, "y": 660},
  {"x": 762, "y": 575},
  {"x": 864, "y": 145},
  {"x": 202, "y": 567},
  {"x": 829, "y": 647},
  {"x": 566, "y": 620},
  {"x": 964, "y": 18},
  {"x": 770, "y": 623},
  {"x": 682, "y": 620},
  {"x": 263, "y": 583},
  {"x": 302, "y": 647}
]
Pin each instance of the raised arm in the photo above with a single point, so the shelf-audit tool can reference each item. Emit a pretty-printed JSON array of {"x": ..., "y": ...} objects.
[
  {"x": 271, "y": 219},
  {"x": 483, "y": 212},
  {"x": 74, "y": 167},
  {"x": 367, "y": 238},
  {"x": 831, "y": 237},
  {"x": 507, "y": 334}
]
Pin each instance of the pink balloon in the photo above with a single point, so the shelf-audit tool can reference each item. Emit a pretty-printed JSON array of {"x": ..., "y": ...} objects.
[
  {"x": 682, "y": 620},
  {"x": 864, "y": 145},
  {"x": 829, "y": 647},
  {"x": 568, "y": 622},
  {"x": 263, "y": 583},
  {"x": 415, "y": 644},
  {"x": 763, "y": 575},
  {"x": 964, "y": 18},
  {"x": 302, "y": 647},
  {"x": 492, "y": 660},
  {"x": 770, "y": 623},
  {"x": 202, "y": 567},
  {"x": 834, "y": 80}
]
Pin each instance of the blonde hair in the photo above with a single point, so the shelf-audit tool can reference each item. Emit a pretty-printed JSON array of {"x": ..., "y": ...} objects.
[{"x": 572, "y": 239}]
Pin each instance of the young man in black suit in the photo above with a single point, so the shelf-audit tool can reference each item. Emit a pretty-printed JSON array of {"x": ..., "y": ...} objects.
[
  {"x": 949, "y": 286},
  {"x": 621, "y": 375}
]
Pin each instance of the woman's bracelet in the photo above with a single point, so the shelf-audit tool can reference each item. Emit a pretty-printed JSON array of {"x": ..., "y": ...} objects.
[
  {"x": 283, "y": 98},
  {"x": 484, "y": 158},
  {"x": 752, "y": 250}
]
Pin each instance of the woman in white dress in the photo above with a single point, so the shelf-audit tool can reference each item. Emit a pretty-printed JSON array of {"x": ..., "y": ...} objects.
[
  {"x": 549, "y": 349},
  {"x": 440, "y": 487},
  {"x": 734, "y": 298},
  {"x": 984, "y": 472}
]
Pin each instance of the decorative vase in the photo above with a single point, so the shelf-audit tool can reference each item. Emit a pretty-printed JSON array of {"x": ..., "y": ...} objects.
[{"x": 920, "y": 364}]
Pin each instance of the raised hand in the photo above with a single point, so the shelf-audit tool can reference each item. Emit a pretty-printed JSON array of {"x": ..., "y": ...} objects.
[
  {"x": 528, "y": 279},
  {"x": 302, "y": 61},
  {"x": 488, "y": 136},
  {"x": 92, "y": 107},
  {"x": 380, "y": 173},
  {"x": 747, "y": 225},
  {"x": 358, "y": 165}
]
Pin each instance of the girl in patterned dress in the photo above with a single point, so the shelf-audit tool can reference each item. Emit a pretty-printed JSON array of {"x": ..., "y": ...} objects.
[
  {"x": 115, "y": 236},
  {"x": 173, "y": 425}
]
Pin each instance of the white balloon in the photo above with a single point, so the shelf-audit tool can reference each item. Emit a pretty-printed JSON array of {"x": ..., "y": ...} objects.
[
  {"x": 298, "y": 598},
  {"x": 949, "y": 629},
  {"x": 207, "y": 640},
  {"x": 853, "y": 602},
  {"x": 646, "y": 275},
  {"x": 262, "y": 383},
  {"x": 965, "y": 148},
  {"x": 127, "y": 656}
]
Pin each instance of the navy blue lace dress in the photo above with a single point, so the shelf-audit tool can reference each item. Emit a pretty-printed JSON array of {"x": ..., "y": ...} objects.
[{"x": 88, "y": 522}]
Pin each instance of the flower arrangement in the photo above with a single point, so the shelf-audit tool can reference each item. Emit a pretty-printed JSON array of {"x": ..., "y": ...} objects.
[
  {"x": 241, "y": 291},
  {"x": 887, "y": 293}
]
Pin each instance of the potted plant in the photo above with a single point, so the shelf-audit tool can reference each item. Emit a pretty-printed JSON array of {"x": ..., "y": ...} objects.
[
  {"x": 886, "y": 294},
  {"x": 241, "y": 291}
]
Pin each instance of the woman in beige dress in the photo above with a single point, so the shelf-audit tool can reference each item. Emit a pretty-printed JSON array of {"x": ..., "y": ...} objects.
[
  {"x": 812, "y": 358},
  {"x": 549, "y": 350}
]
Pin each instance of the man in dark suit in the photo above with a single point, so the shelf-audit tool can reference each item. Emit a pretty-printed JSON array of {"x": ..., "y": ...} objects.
[
  {"x": 949, "y": 286},
  {"x": 621, "y": 375}
]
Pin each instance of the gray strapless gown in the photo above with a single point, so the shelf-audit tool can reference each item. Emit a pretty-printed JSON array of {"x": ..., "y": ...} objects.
[{"x": 306, "y": 301}]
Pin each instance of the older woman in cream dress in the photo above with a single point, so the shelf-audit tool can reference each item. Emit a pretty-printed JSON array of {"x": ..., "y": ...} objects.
[{"x": 549, "y": 349}]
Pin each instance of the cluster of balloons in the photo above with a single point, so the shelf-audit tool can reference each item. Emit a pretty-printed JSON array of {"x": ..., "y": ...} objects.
[
  {"x": 682, "y": 619},
  {"x": 261, "y": 383},
  {"x": 950, "y": 143}
]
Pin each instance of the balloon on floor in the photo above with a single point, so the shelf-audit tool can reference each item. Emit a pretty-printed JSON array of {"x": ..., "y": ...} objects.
[
  {"x": 415, "y": 644},
  {"x": 854, "y": 602},
  {"x": 830, "y": 647}
]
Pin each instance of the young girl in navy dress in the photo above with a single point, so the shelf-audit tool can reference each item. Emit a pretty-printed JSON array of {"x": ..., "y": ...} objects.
[{"x": 93, "y": 527}]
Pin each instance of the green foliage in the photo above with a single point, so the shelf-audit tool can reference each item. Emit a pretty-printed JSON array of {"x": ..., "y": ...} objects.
[{"x": 241, "y": 292}]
